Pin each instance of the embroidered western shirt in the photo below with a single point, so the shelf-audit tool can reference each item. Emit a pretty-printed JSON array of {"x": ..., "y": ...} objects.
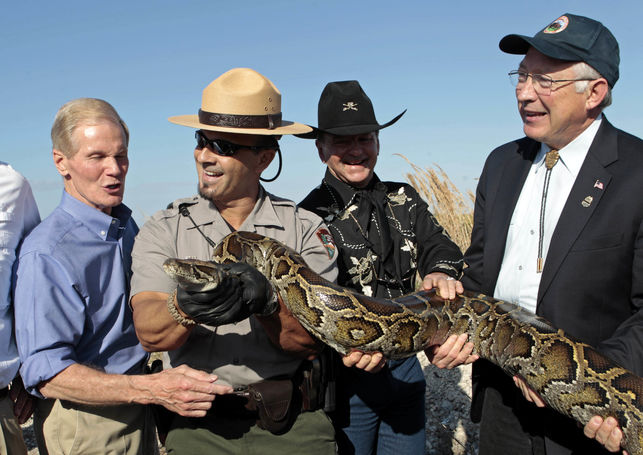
[{"x": 385, "y": 233}]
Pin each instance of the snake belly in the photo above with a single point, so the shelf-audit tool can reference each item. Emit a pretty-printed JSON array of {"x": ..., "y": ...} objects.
[{"x": 572, "y": 377}]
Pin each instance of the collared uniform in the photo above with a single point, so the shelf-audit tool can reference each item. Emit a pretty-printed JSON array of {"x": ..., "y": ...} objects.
[
  {"x": 386, "y": 236},
  {"x": 239, "y": 353},
  {"x": 18, "y": 215},
  {"x": 71, "y": 295}
]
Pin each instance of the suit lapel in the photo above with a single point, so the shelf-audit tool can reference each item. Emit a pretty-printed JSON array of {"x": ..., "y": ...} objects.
[
  {"x": 511, "y": 181},
  {"x": 583, "y": 199}
]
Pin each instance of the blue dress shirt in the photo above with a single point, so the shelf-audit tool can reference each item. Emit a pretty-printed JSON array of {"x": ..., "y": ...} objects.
[{"x": 72, "y": 291}]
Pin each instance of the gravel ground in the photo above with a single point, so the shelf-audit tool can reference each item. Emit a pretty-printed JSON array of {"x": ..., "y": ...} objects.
[
  {"x": 449, "y": 430},
  {"x": 30, "y": 439}
]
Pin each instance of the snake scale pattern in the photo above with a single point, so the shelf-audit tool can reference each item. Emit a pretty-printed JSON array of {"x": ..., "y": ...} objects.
[{"x": 572, "y": 378}]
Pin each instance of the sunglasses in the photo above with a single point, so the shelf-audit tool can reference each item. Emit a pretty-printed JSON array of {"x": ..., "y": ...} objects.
[{"x": 225, "y": 148}]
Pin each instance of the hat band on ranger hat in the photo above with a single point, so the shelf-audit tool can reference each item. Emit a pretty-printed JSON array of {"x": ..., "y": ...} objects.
[
  {"x": 268, "y": 121},
  {"x": 241, "y": 101}
]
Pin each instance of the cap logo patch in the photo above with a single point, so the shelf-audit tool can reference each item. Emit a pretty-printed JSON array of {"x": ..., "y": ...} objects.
[
  {"x": 349, "y": 106},
  {"x": 558, "y": 25}
]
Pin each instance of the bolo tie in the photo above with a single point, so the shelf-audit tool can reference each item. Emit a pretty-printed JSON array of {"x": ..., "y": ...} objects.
[{"x": 551, "y": 158}]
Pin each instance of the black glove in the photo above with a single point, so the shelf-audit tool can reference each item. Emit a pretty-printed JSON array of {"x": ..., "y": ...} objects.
[{"x": 242, "y": 292}]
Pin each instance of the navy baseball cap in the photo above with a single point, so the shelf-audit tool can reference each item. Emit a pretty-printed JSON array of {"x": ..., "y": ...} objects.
[{"x": 572, "y": 38}]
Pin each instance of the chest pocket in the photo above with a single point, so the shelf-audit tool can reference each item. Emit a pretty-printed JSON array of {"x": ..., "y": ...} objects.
[{"x": 598, "y": 243}]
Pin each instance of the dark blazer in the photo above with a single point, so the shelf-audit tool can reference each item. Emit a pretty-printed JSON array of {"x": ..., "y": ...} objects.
[{"x": 592, "y": 281}]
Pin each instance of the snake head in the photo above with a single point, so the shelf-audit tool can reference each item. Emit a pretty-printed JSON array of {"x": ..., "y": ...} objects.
[{"x": 194, "y": 274}]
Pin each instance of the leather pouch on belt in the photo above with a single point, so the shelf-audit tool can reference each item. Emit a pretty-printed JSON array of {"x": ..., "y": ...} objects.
[{"x": 273, "y": 398}]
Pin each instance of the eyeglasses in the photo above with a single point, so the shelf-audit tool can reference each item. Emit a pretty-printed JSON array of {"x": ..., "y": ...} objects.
[
  {"x": 542, "y": 83},
  {"x": 226, "y": 148}
]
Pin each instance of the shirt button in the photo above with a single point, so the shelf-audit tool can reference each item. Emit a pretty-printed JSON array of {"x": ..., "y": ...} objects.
[
  {"x": 102, "y": 232},
  {"x": 520, "y": 267},
  {"x": 113, "y": 221},
  {"x": 532, "y": 232}
]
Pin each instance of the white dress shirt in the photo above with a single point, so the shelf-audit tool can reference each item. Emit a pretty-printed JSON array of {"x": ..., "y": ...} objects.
[
  {"x": 18, "y": 215},
  {"x": 518, "y": 280}
]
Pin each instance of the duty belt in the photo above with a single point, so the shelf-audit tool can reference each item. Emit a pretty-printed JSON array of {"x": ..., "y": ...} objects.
[{"x": 273, "y": 403}]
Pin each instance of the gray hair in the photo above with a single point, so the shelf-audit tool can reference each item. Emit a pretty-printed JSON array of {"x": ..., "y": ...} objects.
[
  {"x": 584, "y": 71},
  {"x": 88, "y": 111}
]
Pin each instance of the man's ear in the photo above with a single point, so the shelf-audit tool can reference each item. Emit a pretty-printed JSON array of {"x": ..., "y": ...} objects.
[
  {"x": 596, "y": 92},
  {"x": 60, "y": 161},
  {"x": 265, "y": 158},
  {"x": 320, "y": 151}
]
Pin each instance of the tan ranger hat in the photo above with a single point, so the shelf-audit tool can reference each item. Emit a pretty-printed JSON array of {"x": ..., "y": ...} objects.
[{"x": 241, "y": 101}]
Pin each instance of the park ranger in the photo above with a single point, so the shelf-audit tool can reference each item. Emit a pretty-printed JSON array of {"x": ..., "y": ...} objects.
[{"x": 240, "y": 332}]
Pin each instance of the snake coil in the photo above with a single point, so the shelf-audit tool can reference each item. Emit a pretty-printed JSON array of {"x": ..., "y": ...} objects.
[{"x": 571, "y": 376}]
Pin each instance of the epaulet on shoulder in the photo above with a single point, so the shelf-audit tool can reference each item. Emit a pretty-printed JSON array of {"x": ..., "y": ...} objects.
[
  {"x": 188, "y": 201},
  {"x": 280, "y": 200}
]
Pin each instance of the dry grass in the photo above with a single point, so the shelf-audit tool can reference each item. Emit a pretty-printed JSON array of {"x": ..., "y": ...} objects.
[{"x": 452, "y": 208}]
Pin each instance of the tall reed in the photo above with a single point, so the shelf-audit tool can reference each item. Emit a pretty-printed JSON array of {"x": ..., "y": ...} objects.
[{"x": 452, "y": 208}]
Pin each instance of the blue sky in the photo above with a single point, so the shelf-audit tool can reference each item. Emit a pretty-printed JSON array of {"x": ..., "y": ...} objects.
[{"x": 152, "y": 59}]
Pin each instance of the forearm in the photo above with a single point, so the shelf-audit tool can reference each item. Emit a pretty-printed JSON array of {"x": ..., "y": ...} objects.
[
  {"x": 85, "y": 385},
  {"x": 624, "y": 346},
  {"x": 182, "y": 390},
  {"x": 288, "y": 334},
  {"x": 155, "y": 327},
  {"x": 438, "y": 254}
]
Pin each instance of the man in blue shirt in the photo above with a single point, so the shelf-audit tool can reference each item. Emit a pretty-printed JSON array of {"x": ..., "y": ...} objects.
[{"x": 74, "y": 329}]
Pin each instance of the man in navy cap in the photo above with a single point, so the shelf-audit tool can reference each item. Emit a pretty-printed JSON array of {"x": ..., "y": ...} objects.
[{"x": 546, "y": 234}]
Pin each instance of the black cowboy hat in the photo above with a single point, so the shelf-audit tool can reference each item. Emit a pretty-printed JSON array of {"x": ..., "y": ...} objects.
[{"x": 344, "y": 110}]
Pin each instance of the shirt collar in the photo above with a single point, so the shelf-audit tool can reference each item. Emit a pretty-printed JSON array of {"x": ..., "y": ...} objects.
[
  {"x": 344, "y": 192},
  {"x": 263, "y": 213},
  {"x": 104, "y": 226},
  {"x": 574, "y": 153}
]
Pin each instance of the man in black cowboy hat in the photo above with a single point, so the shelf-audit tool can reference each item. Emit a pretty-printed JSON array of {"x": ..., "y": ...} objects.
[
  {"x": 239, "y": 331},
  {"x": 545, "y": 235},
  {"x": 385, "y": 235}
]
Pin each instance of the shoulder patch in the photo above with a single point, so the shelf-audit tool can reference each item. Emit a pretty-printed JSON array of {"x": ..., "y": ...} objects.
[{"x": 327, "y": 240}]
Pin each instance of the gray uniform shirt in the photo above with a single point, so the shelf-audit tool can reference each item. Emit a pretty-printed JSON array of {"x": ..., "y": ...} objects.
[{"x": 239, "y": 353}]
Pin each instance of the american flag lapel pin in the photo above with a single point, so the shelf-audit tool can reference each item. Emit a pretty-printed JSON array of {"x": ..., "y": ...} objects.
[{"x": 598, "y": 184}]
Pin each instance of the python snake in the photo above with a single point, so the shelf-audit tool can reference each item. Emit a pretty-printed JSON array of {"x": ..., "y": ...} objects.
[{"x": 571, "y": 376}]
